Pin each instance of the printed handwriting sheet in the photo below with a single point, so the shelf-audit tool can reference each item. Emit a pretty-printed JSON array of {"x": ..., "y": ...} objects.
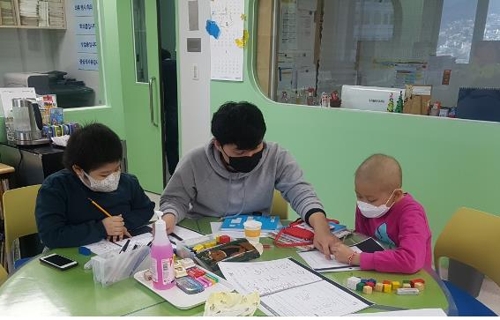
[
  {"x": 284, "y": 286},
  {"x": 105, "y": 246},
  {"x": 317, "y": 261},
  {"x": 226, "y": 28}
]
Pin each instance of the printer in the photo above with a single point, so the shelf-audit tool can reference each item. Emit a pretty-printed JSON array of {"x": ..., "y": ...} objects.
[{"x": 70, "y": 93}]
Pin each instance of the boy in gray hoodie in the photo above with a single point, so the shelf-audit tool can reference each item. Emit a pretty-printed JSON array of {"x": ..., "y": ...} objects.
[{"x": 237, "y": 172}]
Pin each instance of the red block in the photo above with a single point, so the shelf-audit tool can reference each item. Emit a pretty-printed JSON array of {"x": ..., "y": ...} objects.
[{"x": 412, "y": 282}]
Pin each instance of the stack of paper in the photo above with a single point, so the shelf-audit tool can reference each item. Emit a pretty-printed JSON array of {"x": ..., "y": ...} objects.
[
  {"x": 28, "y": 10},
  {"x": 56, "y": 14},
  {"x": 6, "y": 13},
  {"x": 43, "y": 13}
]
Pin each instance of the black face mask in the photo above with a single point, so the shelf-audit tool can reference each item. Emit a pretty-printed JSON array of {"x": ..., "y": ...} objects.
[{"x": 244, "y": 164}]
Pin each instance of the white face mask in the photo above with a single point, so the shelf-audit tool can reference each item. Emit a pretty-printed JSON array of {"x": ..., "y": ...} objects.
[
  {"x": 371, "y": 211},
  {"x": 108, "y": 184}
]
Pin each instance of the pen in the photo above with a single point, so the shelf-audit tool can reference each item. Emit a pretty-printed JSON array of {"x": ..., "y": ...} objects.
[
  {"x": 100, "y": 208},
  {"x": 176, "y": 236},
  {"x": 124, "y": 248}
]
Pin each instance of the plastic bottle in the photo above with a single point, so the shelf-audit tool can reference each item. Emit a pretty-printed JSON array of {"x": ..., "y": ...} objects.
[
  {"x": 162, "y": 258},
  {"x": 9, "y": 126}
]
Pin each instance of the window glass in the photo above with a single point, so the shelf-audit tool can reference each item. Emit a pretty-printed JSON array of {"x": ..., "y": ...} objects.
[
  {"x": 492, "y": 29},
  {"x": 457, "y": 27},
  {"x": 54, "y": 49},
  {"x": 140, "y": 47},
  {"x": 378, "y": 54}
]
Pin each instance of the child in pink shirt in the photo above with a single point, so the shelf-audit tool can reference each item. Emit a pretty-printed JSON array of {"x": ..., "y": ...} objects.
[{"x": 391, "y": 216}]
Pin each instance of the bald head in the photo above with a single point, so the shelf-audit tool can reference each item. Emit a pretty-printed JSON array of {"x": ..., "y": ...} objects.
[{"x": 381, "y": 170}]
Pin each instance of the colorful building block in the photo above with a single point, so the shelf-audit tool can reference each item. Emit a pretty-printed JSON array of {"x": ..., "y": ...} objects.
[
  {"x": 420, "y": 286},
  {"x": 367, "y": 290},
  {"x": 415, "y": 281},
  {"x": 360, "y": 286},
  {"x": 396, "y": 285},
  {"x": 387, "y": 282},
  {"x": 352, "y": 282},
  {"x": 387, "y": 288},
  {"x": 379, "y": 287},
  {"x": 406, "y": 285},
  {"x": 371, "y": 284}
]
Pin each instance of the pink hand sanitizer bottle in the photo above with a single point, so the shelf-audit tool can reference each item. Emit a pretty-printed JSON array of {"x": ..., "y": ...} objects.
[{"x": 162, "y": 258}]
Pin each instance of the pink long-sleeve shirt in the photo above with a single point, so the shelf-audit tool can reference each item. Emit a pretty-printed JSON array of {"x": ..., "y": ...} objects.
[{"x": 405, "y": 228}]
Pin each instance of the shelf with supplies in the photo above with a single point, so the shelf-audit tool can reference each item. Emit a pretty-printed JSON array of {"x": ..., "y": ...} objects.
[{"x": 33, "y": 14}]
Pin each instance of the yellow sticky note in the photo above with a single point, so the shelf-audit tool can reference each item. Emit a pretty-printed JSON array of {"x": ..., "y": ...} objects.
[{"x": 242, "y": 42}]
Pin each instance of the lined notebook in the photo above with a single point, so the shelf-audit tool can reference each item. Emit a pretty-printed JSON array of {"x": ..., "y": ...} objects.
[{"x": 479, "y": 104}]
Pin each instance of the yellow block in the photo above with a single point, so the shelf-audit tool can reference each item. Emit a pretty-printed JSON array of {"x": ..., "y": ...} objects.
[
  {"x": 387, "y": 288},
  {"x": 396, "y": 285}
]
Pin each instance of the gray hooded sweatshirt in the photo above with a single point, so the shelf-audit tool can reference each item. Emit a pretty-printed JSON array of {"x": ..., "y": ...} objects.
[{"x": 202, "y": 186}]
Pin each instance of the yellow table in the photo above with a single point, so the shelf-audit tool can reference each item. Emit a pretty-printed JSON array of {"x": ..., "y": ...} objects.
[{"x": 39, "y": 290}]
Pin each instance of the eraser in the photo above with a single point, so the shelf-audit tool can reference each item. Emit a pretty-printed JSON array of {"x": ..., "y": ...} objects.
[
  {"x": 84, "y": 251},
  {"x": 407, "y": 291}
]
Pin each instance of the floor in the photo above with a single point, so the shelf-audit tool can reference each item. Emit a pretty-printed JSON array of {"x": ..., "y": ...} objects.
[{"x": 489, "y": 295}]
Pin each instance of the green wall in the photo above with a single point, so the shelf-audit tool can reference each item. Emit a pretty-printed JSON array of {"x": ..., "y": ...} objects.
[{"x": 446, "y": 163}]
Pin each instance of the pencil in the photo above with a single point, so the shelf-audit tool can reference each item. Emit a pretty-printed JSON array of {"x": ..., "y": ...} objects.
[{"x": 100, "y": 208}]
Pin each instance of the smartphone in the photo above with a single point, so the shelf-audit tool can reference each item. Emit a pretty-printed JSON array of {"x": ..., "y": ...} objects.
[
  {"x": 58, "y": 261},
  {"x": 189, "y": 285}
]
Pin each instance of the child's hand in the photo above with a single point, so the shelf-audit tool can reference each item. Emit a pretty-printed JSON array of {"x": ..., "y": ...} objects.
[
  {"x": 343, "y": 252},
  {"x": 115, "y": 228}
]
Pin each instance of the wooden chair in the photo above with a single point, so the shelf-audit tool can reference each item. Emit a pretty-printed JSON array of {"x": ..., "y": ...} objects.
[
  {"x": 471, "y": 237},
  {"x": 279, "y": 206},
  {"x": 19, "y": 216},
  {"x": 3, "y": 275}
]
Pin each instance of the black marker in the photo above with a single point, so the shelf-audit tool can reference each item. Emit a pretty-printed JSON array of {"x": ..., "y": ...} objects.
[
  {"x": 124, "y": 248},
  {"x": 176, "y": 236}
]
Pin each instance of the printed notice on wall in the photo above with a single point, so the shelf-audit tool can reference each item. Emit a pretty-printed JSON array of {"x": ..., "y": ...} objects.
[
  {"x": 227, "y": 39},
  {"x": 86, "y": 43}
]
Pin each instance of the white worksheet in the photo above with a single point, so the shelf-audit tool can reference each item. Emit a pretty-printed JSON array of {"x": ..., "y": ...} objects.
[
  {"x": 285, "y": 285},
  {"x": 317, "y": 261}
]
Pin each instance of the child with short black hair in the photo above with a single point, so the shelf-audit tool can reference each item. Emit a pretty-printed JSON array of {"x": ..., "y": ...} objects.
[
  {"x": 64, "y": 213},
  {"x": 391, "y": 216}
]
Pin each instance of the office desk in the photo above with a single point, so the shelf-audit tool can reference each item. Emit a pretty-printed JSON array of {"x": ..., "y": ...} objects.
[{"x": 40, "y": 290}]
